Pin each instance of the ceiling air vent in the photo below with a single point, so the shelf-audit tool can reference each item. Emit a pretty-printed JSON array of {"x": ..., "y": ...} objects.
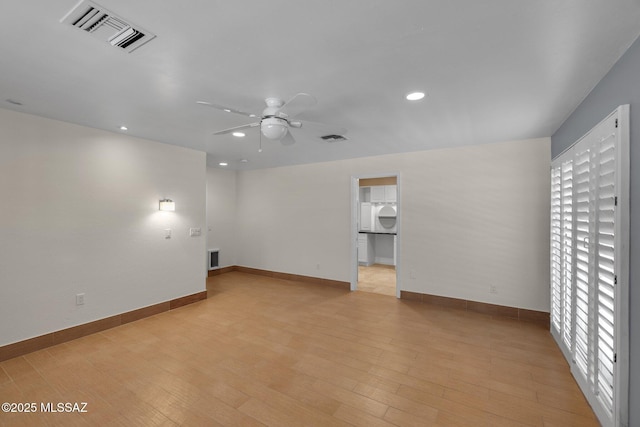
[
  {"x": 333, "y": 138},
  {"x": 106, "y": 26}
]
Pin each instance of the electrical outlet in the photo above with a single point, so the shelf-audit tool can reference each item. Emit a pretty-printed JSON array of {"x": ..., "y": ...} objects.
[
  {"x": 80, "y": 299},
  {"x": 194, "y": 232},
  {"x": 493, "y": 289}
]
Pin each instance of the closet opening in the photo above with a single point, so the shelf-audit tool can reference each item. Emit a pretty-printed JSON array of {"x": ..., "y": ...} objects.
[{"x": 375, "y": 227}]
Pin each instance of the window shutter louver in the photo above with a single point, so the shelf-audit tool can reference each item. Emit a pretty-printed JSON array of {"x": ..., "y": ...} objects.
[
  {"x": 567, "y": 253},
  {"x": 556, "y": 248},
  {"x": 581, "y": 241},
  {"x": 605, "y": 265}
]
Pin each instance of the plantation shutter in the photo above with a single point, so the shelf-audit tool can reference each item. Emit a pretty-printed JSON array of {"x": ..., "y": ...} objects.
[
  {"x": 556, "y": 248},
  {"x": 584, "y": 235},
  {"x": 567, "y": 253},
  {"x": 582, "y": 261},
  {"x": 605, "y": 269}
]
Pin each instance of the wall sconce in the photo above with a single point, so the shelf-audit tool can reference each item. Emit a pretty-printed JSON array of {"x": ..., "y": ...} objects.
[{"x": 167, "y": 205}]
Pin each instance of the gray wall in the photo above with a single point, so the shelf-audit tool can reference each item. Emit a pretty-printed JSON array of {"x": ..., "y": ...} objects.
[{"x": 620, "y": 86}]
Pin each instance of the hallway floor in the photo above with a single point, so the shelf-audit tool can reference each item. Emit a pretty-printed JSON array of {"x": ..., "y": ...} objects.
[{"x": 377, "y": 278}]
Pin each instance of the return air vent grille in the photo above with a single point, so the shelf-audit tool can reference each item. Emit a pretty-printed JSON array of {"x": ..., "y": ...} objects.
[
  {"x": 106, "y": 26},
  {"x": 333, "y": 138}
]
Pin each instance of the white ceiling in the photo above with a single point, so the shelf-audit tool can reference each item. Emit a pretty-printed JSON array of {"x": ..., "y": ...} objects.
[{"x": 493, "y": 70}]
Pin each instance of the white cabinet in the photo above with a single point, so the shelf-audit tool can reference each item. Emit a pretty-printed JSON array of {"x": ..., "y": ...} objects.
[
  {"x": 366, "y": 255},
  {"x": 366, "y": 222},
  {"x": 362, "y": 248},
  {"x": 384, "y": 194},
  {"x": 390, "y": 193},
  {"x": 377, "y": 194}
]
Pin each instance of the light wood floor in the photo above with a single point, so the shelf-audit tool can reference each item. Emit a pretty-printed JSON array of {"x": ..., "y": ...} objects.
[
  {"x": 377, "y": 278},
  {"x": 262, "y": 351}
]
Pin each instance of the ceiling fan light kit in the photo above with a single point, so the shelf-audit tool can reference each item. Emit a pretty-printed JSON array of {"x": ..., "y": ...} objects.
[{"x": 274, "y": 128}]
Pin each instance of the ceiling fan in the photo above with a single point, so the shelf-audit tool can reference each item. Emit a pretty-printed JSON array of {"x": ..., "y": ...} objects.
[{"x": 276, "y": 121}]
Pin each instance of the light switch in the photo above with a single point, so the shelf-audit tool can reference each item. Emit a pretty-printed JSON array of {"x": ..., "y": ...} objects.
[
  {"x": 167, "y": 233},
  {"x": 195, "y": 232}
]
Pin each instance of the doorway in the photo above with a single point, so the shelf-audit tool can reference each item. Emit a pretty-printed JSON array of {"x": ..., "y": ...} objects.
[{"x": 375, "y": 229}]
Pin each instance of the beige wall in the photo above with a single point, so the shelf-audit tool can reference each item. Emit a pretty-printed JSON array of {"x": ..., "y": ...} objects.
[
  {"x": 80, "y": 215},
  {"x": 470, "y": 218},
  {"x": 478, "y": 217}
]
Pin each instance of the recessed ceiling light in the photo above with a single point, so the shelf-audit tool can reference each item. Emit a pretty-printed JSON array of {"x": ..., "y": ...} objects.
[
  {"x": 238, "y": 134},
  {"x": 415, "y": 96},
  {"x": 124, "y": 128},
  {"x": 227, "y": 110},
  {"x": 244, "y": 161},
  {"x": 223, "y": 164}
]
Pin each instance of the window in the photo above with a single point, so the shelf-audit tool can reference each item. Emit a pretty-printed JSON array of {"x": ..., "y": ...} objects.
[{"x": 589, "y": 263}]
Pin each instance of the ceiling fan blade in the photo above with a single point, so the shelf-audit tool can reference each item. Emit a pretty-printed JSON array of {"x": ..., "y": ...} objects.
[
  {"x": 226, "y": 109},
  {"x": 233, "y": 129},
  {"x": 321, "y": 129},
  {"x": 298, "y": 104},
  {"x": 288, "y": 139}
]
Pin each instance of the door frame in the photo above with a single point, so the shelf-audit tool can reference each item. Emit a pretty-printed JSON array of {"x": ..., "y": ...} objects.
[{"x": 355, "y": 199}]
